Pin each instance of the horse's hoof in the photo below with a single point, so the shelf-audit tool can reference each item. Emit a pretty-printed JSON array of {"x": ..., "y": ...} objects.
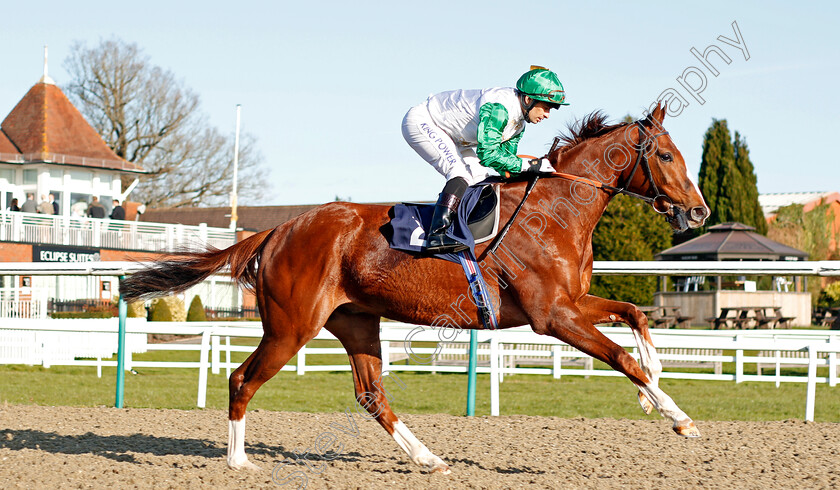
[
  {"x": 441, "y": 468},
  {"x": 689, "y": 430},
  {"x": 647, "y": 406},
  {"x": 243, "y": 465}
]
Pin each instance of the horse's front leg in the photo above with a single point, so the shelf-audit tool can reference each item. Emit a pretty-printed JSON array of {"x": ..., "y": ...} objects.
[
  {"x": 564, "y": 320},
  {"x": 599, "y": 310}
]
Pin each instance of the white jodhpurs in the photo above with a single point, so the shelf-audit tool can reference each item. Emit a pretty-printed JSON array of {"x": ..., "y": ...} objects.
[{"x": 437, "y": 148}]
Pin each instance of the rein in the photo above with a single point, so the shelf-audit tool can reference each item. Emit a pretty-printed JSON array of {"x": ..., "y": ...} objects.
[
  {"x": 501, "y": 236},
  {"x": 655, "y": 202}
]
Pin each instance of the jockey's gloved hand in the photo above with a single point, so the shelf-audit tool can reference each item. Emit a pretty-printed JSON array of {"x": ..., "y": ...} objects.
[{"x": 536, "y": 166}]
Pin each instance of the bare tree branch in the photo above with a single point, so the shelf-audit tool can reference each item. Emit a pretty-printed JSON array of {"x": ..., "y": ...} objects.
[{"x": 150, "y": 118}]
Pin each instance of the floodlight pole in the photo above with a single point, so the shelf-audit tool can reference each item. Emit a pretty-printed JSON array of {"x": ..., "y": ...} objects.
[{"x": 233, "y": 215}]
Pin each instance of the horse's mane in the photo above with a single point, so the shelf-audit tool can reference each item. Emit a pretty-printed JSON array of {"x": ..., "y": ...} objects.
[{"x": 590, "y": 126}]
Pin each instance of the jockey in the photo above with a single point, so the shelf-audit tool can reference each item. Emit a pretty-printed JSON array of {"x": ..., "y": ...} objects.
[{"x": 466, "y": 135}]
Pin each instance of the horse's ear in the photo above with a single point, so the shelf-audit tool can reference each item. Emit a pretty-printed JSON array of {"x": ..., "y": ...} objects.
[{"x": 659, "y": 112}]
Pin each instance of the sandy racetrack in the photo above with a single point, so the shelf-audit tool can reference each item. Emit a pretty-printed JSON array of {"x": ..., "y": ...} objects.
[{"x": 52, "y": 447}]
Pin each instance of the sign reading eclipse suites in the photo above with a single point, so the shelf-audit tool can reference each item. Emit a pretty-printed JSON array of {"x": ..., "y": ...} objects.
[{"x": 58, "y": 253}]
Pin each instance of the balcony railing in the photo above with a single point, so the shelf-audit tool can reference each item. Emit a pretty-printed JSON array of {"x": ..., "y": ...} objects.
[
  {"x": 68, "y": 160},
  {"x": 109, "y": 234}
]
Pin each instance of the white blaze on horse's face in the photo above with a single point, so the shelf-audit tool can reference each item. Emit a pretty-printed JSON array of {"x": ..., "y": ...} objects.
[{"x": 687, "y": 207}]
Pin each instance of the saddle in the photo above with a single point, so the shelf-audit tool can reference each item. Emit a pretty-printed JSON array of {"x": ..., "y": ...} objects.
[
  {"x": 483, "y": 219},
  {"x": 479, "y": 209}
]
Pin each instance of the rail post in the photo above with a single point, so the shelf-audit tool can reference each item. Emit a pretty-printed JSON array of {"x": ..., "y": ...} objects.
[
  {"x": 471, "y": 377},
  {"x": 123, "y": 311},
  {"x": 811, "y": 392}
]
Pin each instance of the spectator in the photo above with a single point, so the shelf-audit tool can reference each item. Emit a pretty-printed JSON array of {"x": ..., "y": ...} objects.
[
  {"x": 14, "y": 205},
  {"x": 54, "y": 203},
  {"x": 44, "y": 207},
  {"x": 29, "y": 205},
  {"x": 78, "y": 210},
  {"x": 96, "y": 209},
  {"x": 118, "y": 211}
]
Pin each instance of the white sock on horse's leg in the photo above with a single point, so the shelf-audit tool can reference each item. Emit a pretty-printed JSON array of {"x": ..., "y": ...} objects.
[
  {"x": 648, "y": 359},
  {"x": 416, "y": 450},
  {"x": 683, "y": 425},
  {"x": 236, "y": 457}
]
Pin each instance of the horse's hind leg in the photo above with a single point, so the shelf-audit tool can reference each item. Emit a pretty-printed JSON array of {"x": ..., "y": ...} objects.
[
  {"x": 276, "y": 348},
  {"x": 599, "y": 310},
  {"x": 359, "y": 334}
]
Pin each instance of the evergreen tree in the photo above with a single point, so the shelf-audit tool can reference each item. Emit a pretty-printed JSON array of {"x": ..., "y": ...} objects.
[
  {"x": 728, "y": 180},
  {"x": 628, "y": 230},
  {"x": 717, "y": 166},
  {"x": 749, "y": 211}
]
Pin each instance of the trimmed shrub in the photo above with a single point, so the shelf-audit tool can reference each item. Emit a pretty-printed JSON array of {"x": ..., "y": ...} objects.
[
  {"x": 196, "y": 311},
  {"x": 159, "y": 311},
  {"x": 178, "y": 309},
  {"x": 136, "y": 310},
  {"x": 168, "y": 309}
]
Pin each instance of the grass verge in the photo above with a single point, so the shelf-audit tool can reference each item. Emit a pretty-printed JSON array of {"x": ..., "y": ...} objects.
[{"x": 571, "y": 396}]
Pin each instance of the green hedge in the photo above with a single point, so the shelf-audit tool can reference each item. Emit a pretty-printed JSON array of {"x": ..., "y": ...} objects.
[{"x": 83, "y": 314}]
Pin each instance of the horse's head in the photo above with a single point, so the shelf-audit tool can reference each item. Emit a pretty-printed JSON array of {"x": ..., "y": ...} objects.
[{"x": 658, "y": 174}]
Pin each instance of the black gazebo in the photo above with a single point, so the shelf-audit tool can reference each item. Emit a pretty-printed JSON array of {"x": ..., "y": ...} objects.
[
  {"x": 731, "y": 241},
  {"x": 734, "y": 242}
]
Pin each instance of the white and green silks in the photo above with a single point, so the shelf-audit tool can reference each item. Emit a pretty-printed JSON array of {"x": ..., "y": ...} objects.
[{"x": 463, "y": 132}]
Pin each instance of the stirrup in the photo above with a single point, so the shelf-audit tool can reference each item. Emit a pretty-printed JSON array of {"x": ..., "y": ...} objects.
[{"x": 442, "y": 244}]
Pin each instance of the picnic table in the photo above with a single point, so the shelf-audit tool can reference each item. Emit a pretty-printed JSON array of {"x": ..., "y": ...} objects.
[
  {"x": 743, "y": 317},
  {"x": 666, "y": 317},
  {"x": 827, "y": 317}
]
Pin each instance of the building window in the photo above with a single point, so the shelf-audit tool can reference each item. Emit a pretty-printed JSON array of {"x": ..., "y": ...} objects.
[
  {"x": 80, "y": 177},
  {"x": 8, "y": 174},
  {"x": 56, "y": 178},
  {"x": 30, "y": 177},
  {"x": 107, "y": 202}
]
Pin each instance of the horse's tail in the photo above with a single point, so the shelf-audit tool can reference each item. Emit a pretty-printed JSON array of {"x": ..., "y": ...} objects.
[{"x": 182, "y": 271}]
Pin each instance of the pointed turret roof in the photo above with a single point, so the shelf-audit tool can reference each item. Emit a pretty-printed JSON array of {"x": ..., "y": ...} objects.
[
  {"x": 46, "y": 127},
  {"x": 6, "y": 146}
]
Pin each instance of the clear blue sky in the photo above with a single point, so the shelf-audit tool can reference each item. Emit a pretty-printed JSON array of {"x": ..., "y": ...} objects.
[{"x": 324, "y": 85}]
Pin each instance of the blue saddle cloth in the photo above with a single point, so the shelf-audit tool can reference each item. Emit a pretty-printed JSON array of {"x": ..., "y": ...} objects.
[{"x": 411, "y": 220}]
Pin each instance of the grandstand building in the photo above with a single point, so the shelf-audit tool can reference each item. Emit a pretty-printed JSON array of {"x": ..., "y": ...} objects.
[{"x": 47, "y": 147}]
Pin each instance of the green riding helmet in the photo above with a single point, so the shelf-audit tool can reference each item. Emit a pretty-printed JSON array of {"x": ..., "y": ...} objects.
[{"x": 542, "y": 84}]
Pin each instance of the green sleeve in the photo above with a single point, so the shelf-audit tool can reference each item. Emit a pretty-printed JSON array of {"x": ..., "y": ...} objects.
[{"x": 492, "y": 151}]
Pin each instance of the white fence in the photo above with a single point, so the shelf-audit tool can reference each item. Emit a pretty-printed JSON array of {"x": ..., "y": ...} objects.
[
  {"x": 106, "y": 233},
  {"x": 23, "y": 302},
  {"x": 505, "y": 352}
]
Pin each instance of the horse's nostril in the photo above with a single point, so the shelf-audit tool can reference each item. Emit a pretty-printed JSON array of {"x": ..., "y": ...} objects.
[{"x": 699, "y": 213}]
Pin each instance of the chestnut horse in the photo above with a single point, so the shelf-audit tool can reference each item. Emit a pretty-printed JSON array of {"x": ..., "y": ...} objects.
[{"x": 331, "y": 268}]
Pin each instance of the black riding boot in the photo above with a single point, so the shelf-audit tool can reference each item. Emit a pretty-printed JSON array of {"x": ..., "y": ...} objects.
[{"x": 446, "y": 213}]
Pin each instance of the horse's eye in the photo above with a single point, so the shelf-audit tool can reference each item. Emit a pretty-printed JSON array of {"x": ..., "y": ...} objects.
[{"x": 666, "y": 157}]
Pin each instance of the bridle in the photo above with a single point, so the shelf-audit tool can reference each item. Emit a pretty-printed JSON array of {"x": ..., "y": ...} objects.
[{"x": 660, "y": 202}]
